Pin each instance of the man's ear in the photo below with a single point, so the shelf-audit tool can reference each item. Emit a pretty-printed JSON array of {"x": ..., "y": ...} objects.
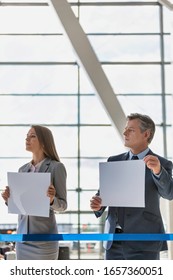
[{"x": 147, "y": 134}]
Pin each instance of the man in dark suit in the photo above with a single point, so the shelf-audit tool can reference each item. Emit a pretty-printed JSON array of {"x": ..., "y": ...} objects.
[{"x": 138, "y": 134}]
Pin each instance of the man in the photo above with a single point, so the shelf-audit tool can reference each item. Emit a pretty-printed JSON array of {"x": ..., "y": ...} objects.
[{"x": 138, "y": 134}]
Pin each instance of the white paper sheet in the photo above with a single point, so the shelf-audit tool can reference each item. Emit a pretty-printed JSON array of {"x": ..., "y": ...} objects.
[
  {"x": 28, "y": 193},
  {"x": 122, "y": 183}
]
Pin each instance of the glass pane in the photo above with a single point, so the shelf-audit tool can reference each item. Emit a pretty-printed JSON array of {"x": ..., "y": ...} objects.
[
  {"x": 38, "y": 109},
  {"x": 67, "y": 222},
  {"x": 38, "y": 79},
  {"x": 9, "y": 165},
  {"x": 7, "y": 218},
  {"x": 99, "y": 141},
  {"x": 89, "y": 173},
  {"x": 167, "y": 48},
  {"x": 167, "y": 17},
  {"x": 168, "y": 78},
  {"x": 169, "y": 113},
  {"x": 126, "y": 48},
  {"x": 121, "y": 19},
  {"x": 72, "y": 200},
  {"x": 114, "y": 1},
  {"x": 10, "y": 2},
  {"x": 85, "y": 197},
  {"x": 169, "y": 133},
  {"x": 29, "y": 19},
  {"x": 134, "y": 78},
  {"x": 89, "y": 223},
  {"x": 72, "y": 173},
  {"x": 36, "y": 49},
  {"x": 89, "y": 105},
  {"x": 143, "y": 104},
  {"x": 157, "y": 143}
]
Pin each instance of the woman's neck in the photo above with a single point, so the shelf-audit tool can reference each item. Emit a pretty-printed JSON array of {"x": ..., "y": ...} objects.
[{"x": 37, "y": 159}]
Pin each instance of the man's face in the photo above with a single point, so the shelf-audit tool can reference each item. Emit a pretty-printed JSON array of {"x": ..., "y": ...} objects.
[{"x": 133, "y": 137}]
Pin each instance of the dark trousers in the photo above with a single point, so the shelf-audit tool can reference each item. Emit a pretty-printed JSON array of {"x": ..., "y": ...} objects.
[{"x": 119, "y": 251}]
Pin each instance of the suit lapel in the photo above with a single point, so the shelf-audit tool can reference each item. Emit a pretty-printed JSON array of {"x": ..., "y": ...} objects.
[
  {"x": 150, "y": 152},
  {"x": 45, "y": 165},
  {"x": 125, "y": 156},
  {"x": 26, "y": 168}
]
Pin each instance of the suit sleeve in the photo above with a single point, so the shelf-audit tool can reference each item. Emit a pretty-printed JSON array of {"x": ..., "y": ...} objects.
[
  {"x": 100, "y": 212},
  {"x": 165, "y": 182},
  {"x": 59, "y": 176}
]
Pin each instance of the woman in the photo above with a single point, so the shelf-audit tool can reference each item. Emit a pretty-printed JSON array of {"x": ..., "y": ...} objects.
[{"x": 40, "y": 142}]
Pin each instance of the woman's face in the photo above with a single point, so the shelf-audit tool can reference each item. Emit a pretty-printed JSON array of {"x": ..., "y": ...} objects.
[{"x": 32, "y": 143}]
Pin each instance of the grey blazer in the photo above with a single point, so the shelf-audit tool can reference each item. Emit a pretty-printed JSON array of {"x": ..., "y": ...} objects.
[
  {"x": 147, "y": 219},
  {"x": 46, "y": 225}
]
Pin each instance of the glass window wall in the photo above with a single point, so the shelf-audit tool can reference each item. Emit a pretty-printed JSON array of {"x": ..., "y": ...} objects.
[{"x": 41, "y": 82}]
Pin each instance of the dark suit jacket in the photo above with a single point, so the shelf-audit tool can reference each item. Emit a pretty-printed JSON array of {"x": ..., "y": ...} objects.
[{"x": 147, "y": 219}]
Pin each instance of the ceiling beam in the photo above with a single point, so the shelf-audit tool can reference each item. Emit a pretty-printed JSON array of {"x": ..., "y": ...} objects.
[
  {"x": 166, "y": 3},
  {"x": 88, "y": 59}
]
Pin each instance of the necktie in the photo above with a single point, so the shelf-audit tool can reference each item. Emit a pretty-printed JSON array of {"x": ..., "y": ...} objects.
[{"x": 134, "y": 158}]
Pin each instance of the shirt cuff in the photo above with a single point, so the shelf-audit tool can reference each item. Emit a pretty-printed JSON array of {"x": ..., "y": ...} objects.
[{"x": 158, "y": 175}]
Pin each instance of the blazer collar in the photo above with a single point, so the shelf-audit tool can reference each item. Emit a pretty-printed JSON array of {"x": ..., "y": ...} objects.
[
  {"x": 150, "y": 152},
  {"x": 43, "y": 168},
  {"x": 26, "y": 168},
  {"x": 127, "y": 155},
  {"x": 45, "y": 165}
]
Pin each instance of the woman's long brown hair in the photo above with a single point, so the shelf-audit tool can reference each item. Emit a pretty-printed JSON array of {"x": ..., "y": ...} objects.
[{"x": 46, "y": 140}]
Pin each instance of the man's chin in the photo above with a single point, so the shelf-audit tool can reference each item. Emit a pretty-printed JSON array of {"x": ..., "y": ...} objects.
[{"x": 126, "y": 145}]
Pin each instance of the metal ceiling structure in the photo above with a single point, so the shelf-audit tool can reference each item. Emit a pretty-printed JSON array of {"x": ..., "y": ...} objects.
[
  {"x": 167, "y": 3},
  {"x": 91, "y": 64}
]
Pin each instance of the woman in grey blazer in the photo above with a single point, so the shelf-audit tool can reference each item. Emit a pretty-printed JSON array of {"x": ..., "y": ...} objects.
[{"x": 40, "y": 142}]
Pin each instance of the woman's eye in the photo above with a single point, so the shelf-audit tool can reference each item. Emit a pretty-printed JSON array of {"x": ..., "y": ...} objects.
[{"x": 31, "y": 136}]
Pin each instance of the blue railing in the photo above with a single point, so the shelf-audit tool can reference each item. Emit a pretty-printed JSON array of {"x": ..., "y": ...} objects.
[{"x": 86, "y": 237}]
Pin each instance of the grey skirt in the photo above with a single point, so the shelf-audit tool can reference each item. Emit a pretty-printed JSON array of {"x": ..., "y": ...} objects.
[{"x": 47, "y": 250}]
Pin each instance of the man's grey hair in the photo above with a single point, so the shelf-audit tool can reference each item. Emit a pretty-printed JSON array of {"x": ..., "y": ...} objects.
[{"x": 146, "y": 123}]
